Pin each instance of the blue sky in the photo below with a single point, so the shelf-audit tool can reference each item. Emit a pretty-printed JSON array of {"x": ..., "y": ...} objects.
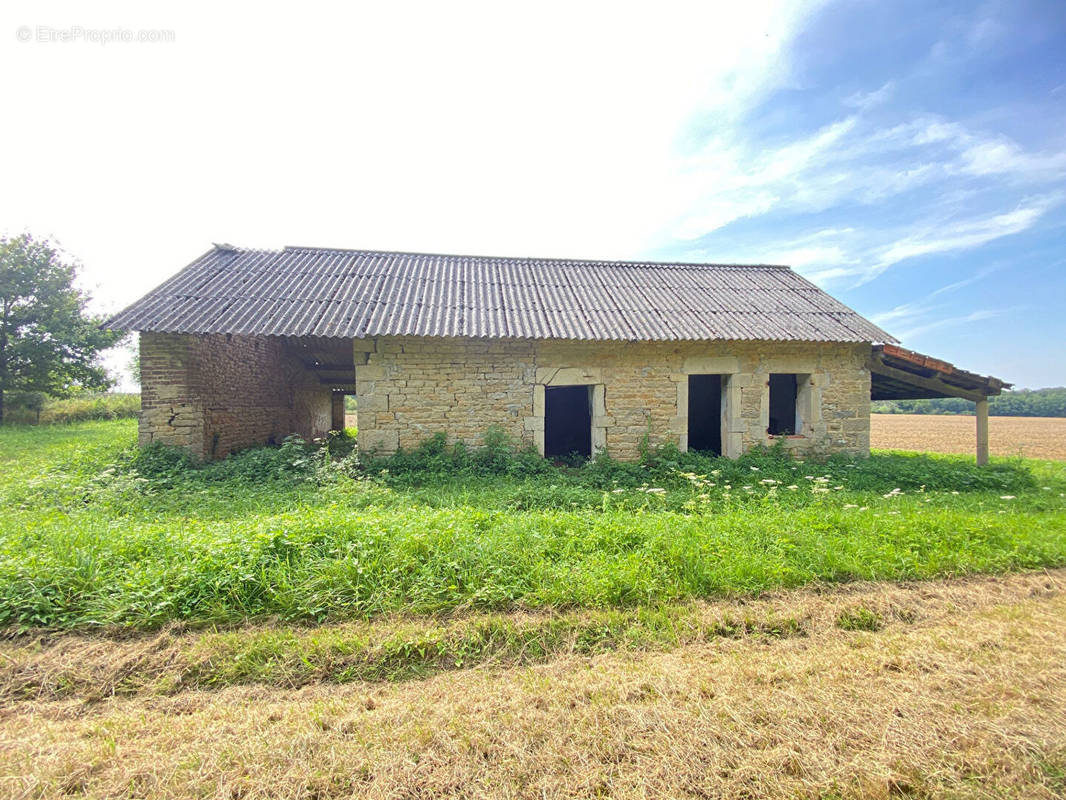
[
  {"x": 909, "y": 157},
  {"x": 913, "y": 164}
]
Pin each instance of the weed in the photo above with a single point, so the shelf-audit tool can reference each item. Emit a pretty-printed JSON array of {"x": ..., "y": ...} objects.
[{"x": 859, "y": 618}]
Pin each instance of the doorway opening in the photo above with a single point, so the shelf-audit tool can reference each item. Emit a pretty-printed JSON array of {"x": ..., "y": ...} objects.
[
  {"x": 342, "y": 410},
  {"x": 705, "y": 413},
  {"x": 784, "y": 390},
  {"x": 567, "y": 421}
]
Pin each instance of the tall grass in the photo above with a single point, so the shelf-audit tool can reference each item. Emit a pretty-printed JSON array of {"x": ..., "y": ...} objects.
[
  {"x": 28, "y": 409},
  {"x": 98, "y": 533}
]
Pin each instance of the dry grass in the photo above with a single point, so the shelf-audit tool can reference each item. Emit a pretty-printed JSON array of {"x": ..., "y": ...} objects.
[
  {"x": 960, "y": 691},
  {"x": 1029, "y": 437}
]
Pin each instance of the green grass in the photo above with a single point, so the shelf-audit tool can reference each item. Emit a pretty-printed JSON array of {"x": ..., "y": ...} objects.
[{"x": 96, "y": 535}]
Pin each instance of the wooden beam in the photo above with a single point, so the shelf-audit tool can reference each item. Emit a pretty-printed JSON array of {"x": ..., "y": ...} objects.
[
  {"x": 325, "y": 367},
  {"x": 982, "y": 432},
  {"x": 930, "y": 384}
]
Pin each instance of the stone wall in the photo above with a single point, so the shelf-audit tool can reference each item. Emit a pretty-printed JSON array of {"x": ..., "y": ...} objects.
[
  {"x": 219, "y": 393},
  {"x": 411, "y": 387}
]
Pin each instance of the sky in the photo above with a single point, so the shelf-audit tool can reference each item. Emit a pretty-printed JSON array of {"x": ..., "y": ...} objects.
[{"x": 908, "y": 157}]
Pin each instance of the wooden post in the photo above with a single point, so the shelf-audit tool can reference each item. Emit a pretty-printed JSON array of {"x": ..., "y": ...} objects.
[
  {"x": 982, "y": 432},
  {"x": 337, "y": 411}
]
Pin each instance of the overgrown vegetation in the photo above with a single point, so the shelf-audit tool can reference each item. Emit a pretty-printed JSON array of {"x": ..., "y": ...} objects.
[
  {"x": 37, "y": 408},
  {"x": 1049, "y": 402},
  {"x": 98, "y": 533}
]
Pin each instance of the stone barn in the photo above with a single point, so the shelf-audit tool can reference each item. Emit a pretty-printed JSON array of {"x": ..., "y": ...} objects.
[{"x": 243, "y": 347}]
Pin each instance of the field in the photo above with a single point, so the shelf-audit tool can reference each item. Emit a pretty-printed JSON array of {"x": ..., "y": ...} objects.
[
  {"x": 480, "y": 623},
  {"x": 953, "y": 689},
  {"x": 1028, "y": 437}
]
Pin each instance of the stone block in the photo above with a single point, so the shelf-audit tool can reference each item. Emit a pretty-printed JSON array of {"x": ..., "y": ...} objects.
[
  {"x": 710, "y": 365},
  {"x": 385, "y": 441}
]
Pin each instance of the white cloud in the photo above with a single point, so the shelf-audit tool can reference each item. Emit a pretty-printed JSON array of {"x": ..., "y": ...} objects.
[
  {"x": 854, "y": 161},
  {"x": 871, "y": 99},
  {"x": 463, "y": 127},
  {"x": 859, "y": 257},
  {"x": 1004, "y": 157},
  {"x": 946, "y": 322},
  {"x": 960, "y": 235},
  {"x": 729, "y": 178},
  {"x": 908, "y": 313},
  {"x": 803, "y": 257},
  {"x": 981, "y": 274},
  {"x": 902, "y": 313}
]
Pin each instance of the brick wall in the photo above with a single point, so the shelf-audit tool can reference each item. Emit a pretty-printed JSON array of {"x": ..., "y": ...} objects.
[
  {"x": 413, "y": 387},
  {"x": 216, "y": 394}
]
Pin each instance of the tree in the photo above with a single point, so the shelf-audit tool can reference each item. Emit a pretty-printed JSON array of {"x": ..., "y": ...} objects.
[{"x": 48, "y": 340}]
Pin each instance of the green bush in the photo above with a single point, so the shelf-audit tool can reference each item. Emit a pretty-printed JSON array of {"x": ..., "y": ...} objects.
[
  {"x": 435, "y": 462},
  {"x": 160, "y": 463},
  {"x": 435, "y": 459},
  {"x": 34, "y": 408}
]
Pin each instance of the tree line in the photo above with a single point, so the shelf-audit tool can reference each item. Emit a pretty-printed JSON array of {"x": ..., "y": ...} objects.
[{"x": 1050, "y": 402}]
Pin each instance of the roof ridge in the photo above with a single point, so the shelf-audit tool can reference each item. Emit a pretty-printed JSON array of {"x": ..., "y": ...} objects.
[{"x": 557, "y": 259}]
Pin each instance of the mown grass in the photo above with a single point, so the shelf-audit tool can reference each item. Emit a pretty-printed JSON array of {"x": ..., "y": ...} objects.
[
  {"x": 96, "y": 534},
  {"x": 961, "y": 693},
  {"x": 391, "y": 649}
]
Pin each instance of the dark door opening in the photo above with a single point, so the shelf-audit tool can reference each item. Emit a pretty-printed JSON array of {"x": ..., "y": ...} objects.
[
  {"x": 783, "y": 390},
  {"x": 342, "y": 410},
  {"x": 567, "y": 421},
  {"x": 705, "y": 413}
]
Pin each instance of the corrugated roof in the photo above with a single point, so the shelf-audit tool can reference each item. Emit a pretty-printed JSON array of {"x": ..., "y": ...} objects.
[{"x": 308, "y": 291}]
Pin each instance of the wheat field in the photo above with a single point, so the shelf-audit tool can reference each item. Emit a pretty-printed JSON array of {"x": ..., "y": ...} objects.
[{"x": 1029, "y": 437}]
